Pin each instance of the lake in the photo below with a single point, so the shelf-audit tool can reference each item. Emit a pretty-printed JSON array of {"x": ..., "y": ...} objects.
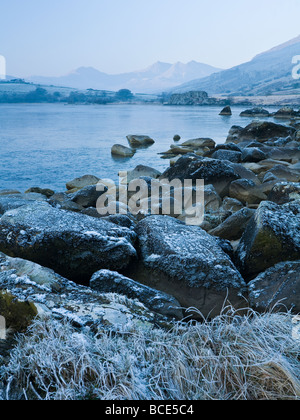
[{"x": 47, "y": 145}]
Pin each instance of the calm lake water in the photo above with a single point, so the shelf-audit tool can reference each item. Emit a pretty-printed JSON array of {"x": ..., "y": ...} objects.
[{"x": 50, "y": 144}]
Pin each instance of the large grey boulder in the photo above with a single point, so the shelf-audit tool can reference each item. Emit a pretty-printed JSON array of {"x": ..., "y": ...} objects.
[
  {"x": 216, "y": 172},
  {"x": 272, "y": 236},
  {"x": 260, "y": 131},
  {"x": 13, "y": 201},
  {"x": 278, "y": 286},
  {"x": 28, "y": 290},
  {"x": 187, "y": 263},
  {"x": 106, "y": 281},
  {"x": 73, "y": 244},
  {"x": 246, "y": 191}
]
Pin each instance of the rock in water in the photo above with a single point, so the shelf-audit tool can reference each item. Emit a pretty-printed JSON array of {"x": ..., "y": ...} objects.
[
  {"x": 74, "y": 245},
  {"x": 106, "y": 281},
  {"x": 226, "y": 111},
  {"x": 279, "y": 285},
  {"x": 272, "y": 236},
  {"x": 122, "y": 151},
  {"x": 139, "y": 141},
  {"x": 187, "y": 263},
  {"x": 83, "y": 181}
]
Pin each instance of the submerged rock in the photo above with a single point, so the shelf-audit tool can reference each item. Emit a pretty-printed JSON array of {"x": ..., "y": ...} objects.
[
  {"x": 106, "y": 281},
  {"x": 187, "y": 263},
  {"x": 73, "y": 244},
  {"x": 272, "y": 236},
  {"x": 278, "y": 286}
]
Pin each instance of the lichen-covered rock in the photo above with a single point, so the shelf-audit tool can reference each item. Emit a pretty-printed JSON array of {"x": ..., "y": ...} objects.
[
  {"x": 277, "y": 288},
  {"x": 285, "y": 192},
  {"x": 28, "y": 290},
  {"x": 234, "y": 226},
  {"x": 74, "y": 245},
  {"x": 106, "y": 281},
  {"x": 272, "y": 236},
  {"x": 187, "y": 263},
  {"x": 218, "y": 173}
]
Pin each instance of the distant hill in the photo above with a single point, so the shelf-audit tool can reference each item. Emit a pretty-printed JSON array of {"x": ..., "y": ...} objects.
[
  {"x": 156, "y": 78},
  {"x": 267, "y": 74}
]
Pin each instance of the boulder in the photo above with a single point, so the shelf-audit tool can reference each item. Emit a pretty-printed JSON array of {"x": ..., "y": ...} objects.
[
  {"x": 200, "y": 143},
  {"x": 255, "y": 112},
  {"x": 139, "y": 141},
  {"x": 212, "y": 200},
  {"x": 284, "y": 172},
  {"x": 246, "y": 191},
  {"x": 226, "y": 111},
  {"x": 187, "y": 263},
  {"x": 28, "y": 290},
  {"x": 177, "y": 137},
  {"x": 87, "y": 196},
  {"x": 253, "y": 154},
  {"x": 142, "y": 171},
  {"x": 285, "y": 192},
  {"x": 234, "y": 226},
  {"x": 230, "y": 155},
  {"x": 44, "y": 191},
  {"x": 122, "y": 151},
  {"x": 277, "y": 288},
  {"x": 232, "y": 205},
  {"x": 218, "y": 173},
  {"x": 260, "y": 131},
  {"x": 83, "y": 181},
  {"x": 14, "y": 201},
  {"x": 73, "y": 244},
  {"x": 272, "y": 236},
  {"x": 286, "y": 113},
  {"x": 106, "y": 281}
]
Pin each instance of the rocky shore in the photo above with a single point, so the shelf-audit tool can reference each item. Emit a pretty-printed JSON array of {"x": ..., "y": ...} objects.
[{"x": 60, "y": 259}]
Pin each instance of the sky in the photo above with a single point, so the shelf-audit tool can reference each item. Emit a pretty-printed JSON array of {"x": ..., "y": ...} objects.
[{"x": 54, "y": 37}]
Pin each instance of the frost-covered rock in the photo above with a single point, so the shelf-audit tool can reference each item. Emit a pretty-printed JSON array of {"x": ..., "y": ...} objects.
[
  {"x": 260, "y": 131},
  {"x": 13, "y": 201},
  {"x": 279, "y": 285},
  {"x": 187, "y": 263},
  {"x": 74, "y": 245},
  {"x": 28, "y": 290},
  {"x": 106, "y": 281},
  {"x": 218, "y": 173},
  {"x": 272, "y": 236}
]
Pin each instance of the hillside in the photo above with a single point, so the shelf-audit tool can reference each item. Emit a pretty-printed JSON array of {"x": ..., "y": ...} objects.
[
  {"x": 267, "y": 74},
  {"x": 156, "y": 78}
]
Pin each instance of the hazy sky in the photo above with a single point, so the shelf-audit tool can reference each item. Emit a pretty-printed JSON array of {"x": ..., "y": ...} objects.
[{"x": 52, "y": 37}]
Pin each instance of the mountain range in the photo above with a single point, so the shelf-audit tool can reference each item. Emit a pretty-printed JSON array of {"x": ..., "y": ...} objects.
[
  {"x": 268, "y": 73},
  {"x": 156, "y": 78}
]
